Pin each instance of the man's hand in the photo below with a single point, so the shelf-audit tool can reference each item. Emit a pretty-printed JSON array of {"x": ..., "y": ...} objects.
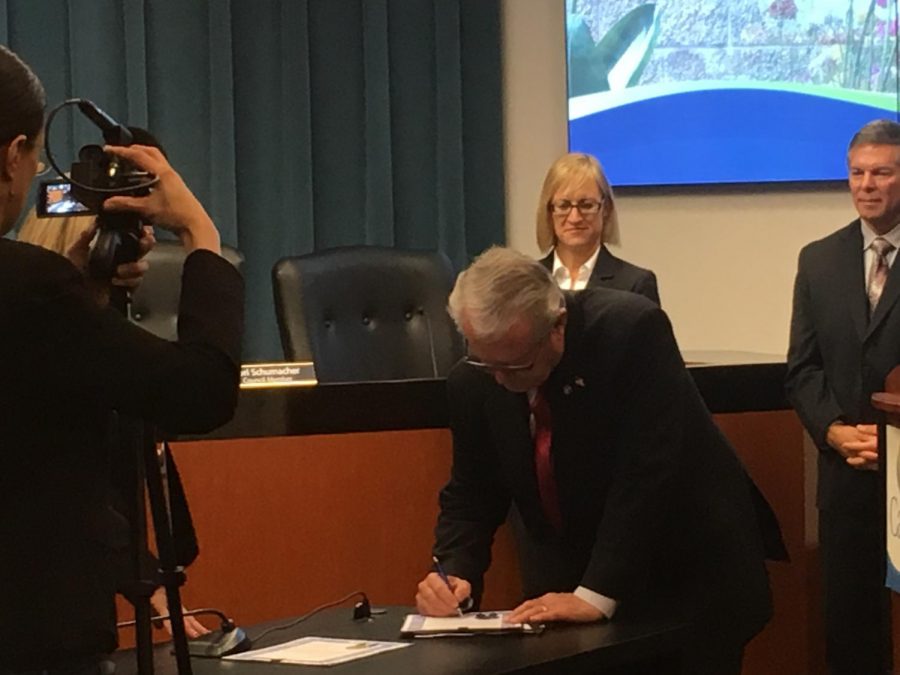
[
  {"x": 170, "y": 204},
  {"x": 555, "y": 607},
  {"x": 857, "y": 444},
  {"x": 435, "y": 598}
]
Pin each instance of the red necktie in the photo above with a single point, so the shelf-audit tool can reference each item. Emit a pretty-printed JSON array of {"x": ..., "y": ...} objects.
[{"x": 543, "y": 462}]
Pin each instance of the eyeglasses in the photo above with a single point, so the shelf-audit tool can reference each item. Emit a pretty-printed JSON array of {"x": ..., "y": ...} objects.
[
  {"x": 511, "y": 367},
  {"x": 504, "y": 367},
  {"x": 586, "y": 207}
]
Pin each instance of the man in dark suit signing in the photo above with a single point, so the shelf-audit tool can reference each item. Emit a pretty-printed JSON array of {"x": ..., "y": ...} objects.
[
  {"x": 845, "y": 339},
  {"x": 576, "y": 409}
]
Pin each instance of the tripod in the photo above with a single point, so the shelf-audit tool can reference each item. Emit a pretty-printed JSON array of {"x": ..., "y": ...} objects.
[
  {"x": 148, "y": 482},
  {"x": 140, "y": 467}
]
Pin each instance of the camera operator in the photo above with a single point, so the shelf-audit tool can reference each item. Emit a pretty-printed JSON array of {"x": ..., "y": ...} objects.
[
  {"x": 67, "y": 364},
  {"x": 71, "y": 237}
]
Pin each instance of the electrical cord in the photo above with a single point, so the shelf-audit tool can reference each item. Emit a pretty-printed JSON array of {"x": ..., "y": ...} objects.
[
  {"x": 227, "y": 624},
  {"x": 85, "y": 105},
  {"x": 362, "y": 608}
]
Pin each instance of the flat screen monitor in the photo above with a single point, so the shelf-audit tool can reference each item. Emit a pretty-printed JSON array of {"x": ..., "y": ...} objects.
[{"x": 687, "y": 92}]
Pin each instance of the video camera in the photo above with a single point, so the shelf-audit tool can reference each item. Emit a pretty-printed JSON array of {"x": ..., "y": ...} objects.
[{"x": 94, "y": 177}]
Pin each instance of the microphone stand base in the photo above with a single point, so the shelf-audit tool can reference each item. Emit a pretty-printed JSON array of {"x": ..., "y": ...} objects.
[{"x": 217, "y": 644}]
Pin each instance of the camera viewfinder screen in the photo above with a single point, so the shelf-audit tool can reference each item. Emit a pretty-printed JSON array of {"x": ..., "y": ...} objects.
[{"x": 58, "y": 201}]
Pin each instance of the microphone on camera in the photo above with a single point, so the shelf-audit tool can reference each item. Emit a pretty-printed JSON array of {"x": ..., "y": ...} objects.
[{"x": 113, "y": 132}]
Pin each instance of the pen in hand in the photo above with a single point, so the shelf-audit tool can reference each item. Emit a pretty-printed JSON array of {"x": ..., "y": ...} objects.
[{"x": 443, "y": 576}]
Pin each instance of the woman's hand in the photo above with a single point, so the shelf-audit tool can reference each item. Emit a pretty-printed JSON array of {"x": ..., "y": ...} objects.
[
  {"x": 170, "y": 204},
  {"x": 128, "y": 275}
]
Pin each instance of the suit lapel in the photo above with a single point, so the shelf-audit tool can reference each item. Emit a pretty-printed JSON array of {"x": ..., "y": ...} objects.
[
  {"x": 510, "y": 424},
  {"x": 547, "y": 261},
  {"x": 512, "y": 436},
  {"x": 851, "y": 275},
  {"x": 605, "y": 268}
]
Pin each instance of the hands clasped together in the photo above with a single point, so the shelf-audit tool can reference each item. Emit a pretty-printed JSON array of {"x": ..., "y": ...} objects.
[{"x": 857, "y": 444}]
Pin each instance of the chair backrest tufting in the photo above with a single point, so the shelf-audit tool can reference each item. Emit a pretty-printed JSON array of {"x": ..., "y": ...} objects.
[{"x": 367, "y": 313}]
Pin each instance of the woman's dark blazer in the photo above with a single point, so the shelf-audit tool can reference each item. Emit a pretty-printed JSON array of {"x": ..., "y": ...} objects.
[
  {"x": 612, "y": 272},
  {"x": 67, "y": 365}
]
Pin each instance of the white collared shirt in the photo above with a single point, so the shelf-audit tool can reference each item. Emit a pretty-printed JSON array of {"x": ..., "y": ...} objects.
[
  {"x": 565, "y": 281},
  {"x": 601, "y": 602},
  {"x": 869, "y": 236}
]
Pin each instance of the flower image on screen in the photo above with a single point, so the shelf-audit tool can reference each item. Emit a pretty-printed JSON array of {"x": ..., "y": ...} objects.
[{"x": 727, "y": 91}]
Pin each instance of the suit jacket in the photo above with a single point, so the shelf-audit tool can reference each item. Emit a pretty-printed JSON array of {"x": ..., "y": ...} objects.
[
  {"x": 613, "y": 272},
  {"x": 66, "y": 365},
  {"x": 838, "y": 358},
  {"x": 654, "y": 501}
]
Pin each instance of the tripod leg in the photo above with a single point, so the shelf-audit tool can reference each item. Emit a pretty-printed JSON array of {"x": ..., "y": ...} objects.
[
  {"x": 127, "y": 461},
  {"x": 172, "y": 574},
  {"x": 144, "y": 636}
]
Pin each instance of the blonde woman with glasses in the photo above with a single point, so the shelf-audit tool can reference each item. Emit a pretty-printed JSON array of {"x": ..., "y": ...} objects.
[{"x": 576, "y": 217}]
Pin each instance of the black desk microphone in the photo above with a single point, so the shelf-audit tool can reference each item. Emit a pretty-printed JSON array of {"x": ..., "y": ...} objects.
[{"x": 228, "y": 639}]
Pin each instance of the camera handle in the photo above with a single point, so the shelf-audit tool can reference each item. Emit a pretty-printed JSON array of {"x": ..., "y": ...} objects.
[{"x": 118, "y": 241}]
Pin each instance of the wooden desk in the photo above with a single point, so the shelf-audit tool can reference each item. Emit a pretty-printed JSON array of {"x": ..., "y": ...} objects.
[
  {"x": 310, "y": 493},
  {"x": 729, "y": 382}
]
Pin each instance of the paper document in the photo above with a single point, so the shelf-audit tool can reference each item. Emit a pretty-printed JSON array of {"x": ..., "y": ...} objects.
[
  {"x": 468, "y": 624},
  {"x": 318, "y": 651}
]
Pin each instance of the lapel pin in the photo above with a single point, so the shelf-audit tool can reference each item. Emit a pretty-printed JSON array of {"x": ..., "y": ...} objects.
[
  {"x": 567, "y": 389},
  {"x": 579, "y": 382}
]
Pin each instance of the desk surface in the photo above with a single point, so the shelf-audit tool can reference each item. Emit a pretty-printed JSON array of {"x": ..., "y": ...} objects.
[
  {"x": 729, "y": 382},
  {"x": 562, "y": 648}
]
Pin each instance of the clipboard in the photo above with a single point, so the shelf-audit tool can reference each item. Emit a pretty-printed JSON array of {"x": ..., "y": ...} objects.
[{"x": 474, "y": 623}]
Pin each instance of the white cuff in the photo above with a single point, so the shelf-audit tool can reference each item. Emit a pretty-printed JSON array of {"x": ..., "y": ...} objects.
[{"x": 601, "y": 602}]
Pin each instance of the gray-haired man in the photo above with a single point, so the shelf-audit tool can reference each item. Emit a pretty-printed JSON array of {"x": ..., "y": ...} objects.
[{"x": 577, "y": 409}]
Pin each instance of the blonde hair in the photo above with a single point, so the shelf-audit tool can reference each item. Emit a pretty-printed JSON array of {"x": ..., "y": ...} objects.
[
  {"x": 572, "y": 169},
  {"x": 55, "y": 234},
  {"x": 500, "y": 287}
]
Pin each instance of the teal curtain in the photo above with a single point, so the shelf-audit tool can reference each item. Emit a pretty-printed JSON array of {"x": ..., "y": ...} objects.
[{"x": 300, "y": 124}]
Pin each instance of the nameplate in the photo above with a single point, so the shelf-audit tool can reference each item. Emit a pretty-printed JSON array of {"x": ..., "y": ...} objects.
[{"x": 265, "y": 375}]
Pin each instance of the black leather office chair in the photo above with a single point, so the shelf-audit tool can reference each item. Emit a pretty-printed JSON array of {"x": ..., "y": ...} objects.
[
  {"x": 154, "y": 305},
  {"x": 367, "y": 313}
]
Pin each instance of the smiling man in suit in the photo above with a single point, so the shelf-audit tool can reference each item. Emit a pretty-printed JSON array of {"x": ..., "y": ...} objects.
[
  {"x": 845, "y": 339},
  {"x": 576, "y": 409}
]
